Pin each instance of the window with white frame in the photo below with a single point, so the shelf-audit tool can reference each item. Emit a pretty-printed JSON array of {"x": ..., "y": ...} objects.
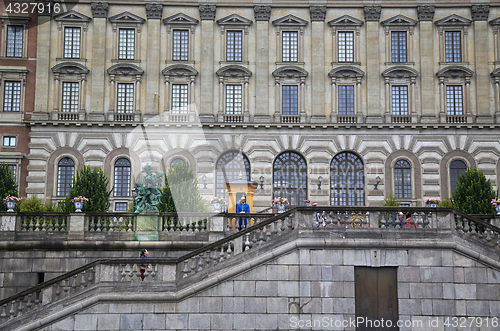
[
  {"x": 121, "y": 206},
  {"x": 399, "y": 32},
  {"x": 180, "y": 37},
  {"x": 234, "y": 32},
  {"x": 233, "y": 93},
  {"x": 125, "y": 98},
  {"x": 127, "y": 29},
  {"x": 126, "y": 44},
  {"x": 9, "y": 141},
  {"x": 290, "y": 87},
  {"x": 454, "y": 100},
  {"x": 234, "y": 45},
  {"x": 65, "y": 172},
  {"x": 122, "y": 178},
  {"x": 12, "y": 96},
  {"x": 14, "y": 43},
  {"x": 179, "y": 98},
  {"x": 402, "y": 179},
  {"x": 290, "y": 38},
  {"x": 345, "y": 93},
  {"x": 70, "y": 97},
  {"x": 398, "y": 46},
  {"x": 290, "y": 100},
  {"x": 14, "y": 36},
  {"x": 453, "y": 32},
  {"x": 399, "y": 100},
  {"x": 346, "y": 100},
  {"x": 345, "y": 32},
  {"x": 180, "y": 49},
  {"x": 234, "y": 99},
  {"x": 400, "y": 94},
  {"x": 72, "y": 42}
]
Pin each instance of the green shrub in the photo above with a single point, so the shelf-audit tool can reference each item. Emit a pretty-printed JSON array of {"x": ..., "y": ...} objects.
[
  {"x": 8, "y": 184},
  {"x": 391, "y": 201},
  {"x": 92, "y": 184},
  {"x": 32, "y": 204},
  {"x": 446, "y": 203},
  {"x": 473, "y": 193},
  {"x": 180, "y": 193}
]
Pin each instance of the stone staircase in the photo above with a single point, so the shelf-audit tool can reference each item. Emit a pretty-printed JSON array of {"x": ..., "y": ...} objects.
[{"x": 174, "y": 280}]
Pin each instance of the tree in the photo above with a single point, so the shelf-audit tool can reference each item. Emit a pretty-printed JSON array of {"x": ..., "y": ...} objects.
[
  {"x": 473, "y": 193},
  {"x": 8, "y": 184},
  {"x": 92, "y": 184},
  {"x": 180, "y": 193}
]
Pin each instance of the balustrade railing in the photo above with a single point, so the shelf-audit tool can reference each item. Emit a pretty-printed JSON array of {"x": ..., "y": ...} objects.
[
  {"x": 471, "y": 227},
  {"x": 184, "y": 222},
  {"x": 232, "y": 220},
  {"x": 42, "y": 222},
  {"x": 110, "y": 222}
]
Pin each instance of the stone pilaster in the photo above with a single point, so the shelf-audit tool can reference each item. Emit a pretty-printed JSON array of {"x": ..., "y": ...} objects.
[
  {"x": 375, "y": 109},
  {"x": 100, "y": 14},
  {"x": 318, "y": 14},
  {"x": 262, "y": 111},
  {"x": 482, "y": 77},
  {"x": 154, "y": 13},
  {"x": 207, "y": 106},
  {"x": 43, "y": 67},
  {"x": 427, "y": 72}
]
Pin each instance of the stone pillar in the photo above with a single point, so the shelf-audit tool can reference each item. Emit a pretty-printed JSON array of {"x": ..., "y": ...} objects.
[
  {"x": 318, "y": 14},
  {"x": 207, "y": 107},
  {"x": 427, "y": 72},
  {"x": 262, "y": 109},
  {"x": 42, "y": 66},
  {"x": 147, "y": 226},
  {"x": 98, "y": 70},
  {"x": 76, "y": 226},
  {"x": 482, "y": 76},
  {"x": 375, "y": 109},
  {"x": 154, "y": 13}
]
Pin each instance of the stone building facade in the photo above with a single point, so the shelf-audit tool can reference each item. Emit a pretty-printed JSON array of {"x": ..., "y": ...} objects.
[{"x": 340, "y": 104}]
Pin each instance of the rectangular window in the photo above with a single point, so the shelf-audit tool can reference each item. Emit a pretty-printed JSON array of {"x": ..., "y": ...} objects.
[
  {"x": 453, "y": 46},
  {"x": 71, "y": 43},
  {"x": 290, "y": 100},
  {"x": 454, "y": 100},
  {"x": 400, "y": 100},
  {"x": 180, "y": 49},
  {"x": 14, "y": 41},
  {"x": 12, "y": 96},
  {"x": 233, "y": 99},
  {"x": 125, "y": 98},
  {"x": 9, "y": 141},
  {"x": 402, "y": 186},
  {"x": 346, "y": 100},
  {"x": 70, "y": 91},
  {"x": 398, "y": 46},
  {"x": 121, "y": 206},
  {"x": 179, "y": 98},
  {"x": 126, "y": 44},
  {"x": 290, "y": 46},
  {"x": 346, "y": 46},
  {"x": 233, "y": 46},
  {"x": 13, "y": 169}
]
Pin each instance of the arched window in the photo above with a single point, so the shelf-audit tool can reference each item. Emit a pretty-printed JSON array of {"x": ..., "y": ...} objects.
[
  {"x": 228, "y": 168},
  {"x": 290, "y": 178},
  {"x": 65, "y": 171},
  {"x": 177, "y": 160},
  {"x": 122, "y": 177},
  {"x": 457, "y": 167},
  {"x": 402, "y": 179},
  {"x": 347, "y": 180}
]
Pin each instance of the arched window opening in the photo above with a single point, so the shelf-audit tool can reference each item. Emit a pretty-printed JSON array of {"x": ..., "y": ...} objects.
[
  {"x": 228, "y": 168},
  {"x": 402, "y": 179},
  {"x": 290, "y": 178},
  {"x": 347, "y": 180},
  {"x": 65, "y": 172},
  {"x": 457, "y": 167},
  {"x": 122, "y": 178}
]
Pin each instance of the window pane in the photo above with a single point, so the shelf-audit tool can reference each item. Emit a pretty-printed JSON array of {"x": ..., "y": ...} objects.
[
  {"x": 125, "y": 98},
  {"x": 126, "y": 44},
  {"x": 347, "y": 180},
  {"x": 233, "y": 99},
  {"x": 9, "y": 141},
  {"x": 70, "y": 91},
  {"x": 121, "y": 206},
  {"x": 290, "y": 46},
  {"x": 454, "y": 100},
  {"x": 290, "y": 178},
  {"x": 72, "y": 43},
  {"x": 181, "y": 45},
  {"x": 14, "y": 41},
  {"x": 457, "y": 167},
  {"x": 66, "y": 167},
  {"x": 177, "y": 161},
  {"x": 346, "y": 100},
  {"x": 402, "y": 177},
  {"x": 400, "y": 100},
  {"x": 346, "y": 46},
  {"x": 290, "y": 100},
  {"x": 179, "y": 98},
  {"x": 228, "y": 168},
  {"x": 398, "y": 46},
  {"x": 453, "y": 46},
  {"x": 122, "y": 177},
  {"x": 12, "y": 96},
  {"x": 233, "y": 45}
]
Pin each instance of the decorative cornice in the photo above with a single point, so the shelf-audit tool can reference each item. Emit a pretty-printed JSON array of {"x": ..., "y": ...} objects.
[
  {"x": 234, "y": 71},
  {"x": 99, "y": 9},
  {"x": 346, "y": 72},
  {"x": 372, "y": 13},
  {"x": 262, "y": 12},
  {"x": 180, "y": 70},
  {"x": 154, "y": 10},
  {"x": 318, "y": 13},
  {"x": 425, "y": 12},
  {"x": 480, "y": 12},
  {"x": 207, "y": 12}
]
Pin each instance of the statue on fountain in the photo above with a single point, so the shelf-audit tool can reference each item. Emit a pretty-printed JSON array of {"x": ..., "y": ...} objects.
[{"x": 148, "y": 193}]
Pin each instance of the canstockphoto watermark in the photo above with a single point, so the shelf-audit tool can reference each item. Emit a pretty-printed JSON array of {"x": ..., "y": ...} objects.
[{"x": 352, "y": 322}]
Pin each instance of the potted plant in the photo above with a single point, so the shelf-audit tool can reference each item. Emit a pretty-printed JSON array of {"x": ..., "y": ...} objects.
[
  {"x": 281, "y": 203},
  {"x": 432, "y": 202},
  {"x": 78, "y": 202},
  {"x": 11, "y": 202},
  {"x": 308, "y": 202},
  {"x": 217, "y": 204},
  {"x": 496, "y": 203}
]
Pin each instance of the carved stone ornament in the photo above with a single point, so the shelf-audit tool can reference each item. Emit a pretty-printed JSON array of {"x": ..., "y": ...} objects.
[
  {"x": 290, "y": 72},
  {"x": 346, "y": 72},
  {"x": 318, "y": 13},
  {"x": 262, "y": 12},
  {"x": 154, "y": 11},
  {"x": 480, "y": 12},
  {"x": 99, "y": 9},
  {"x": 179, "y": 70},
  {"x": 425, "y": 13},
  {"x": 207, "y": 12},
  {"x": 372, "y": 13},
  {"x": 234, "y": 71}
]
